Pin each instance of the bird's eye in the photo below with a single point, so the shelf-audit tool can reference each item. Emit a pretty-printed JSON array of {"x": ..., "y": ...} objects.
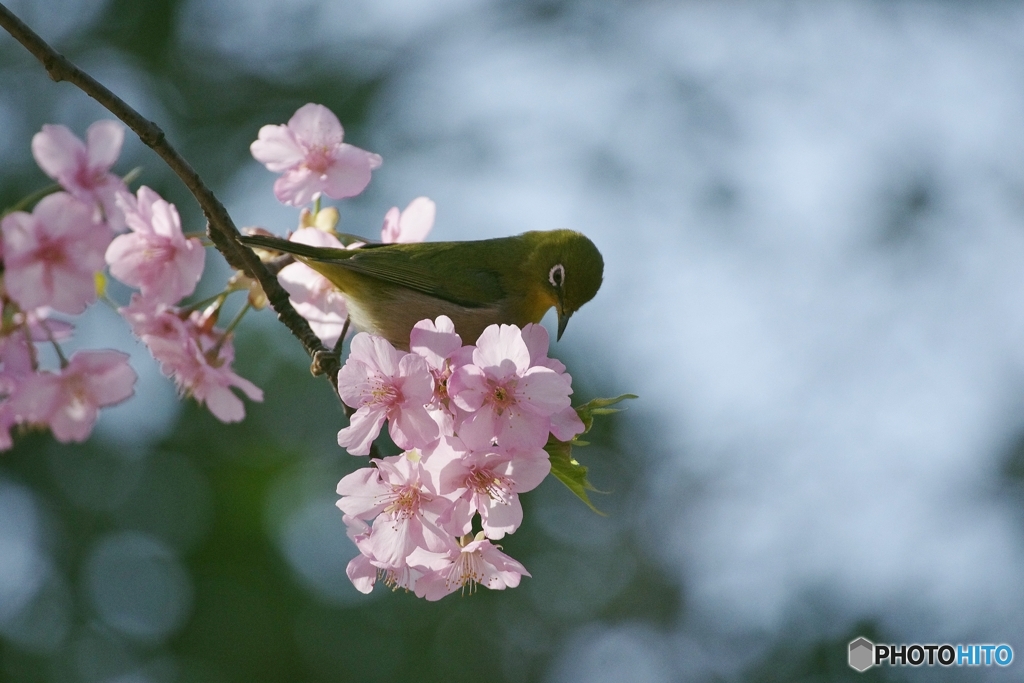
[{"x": 556, "y": 276}]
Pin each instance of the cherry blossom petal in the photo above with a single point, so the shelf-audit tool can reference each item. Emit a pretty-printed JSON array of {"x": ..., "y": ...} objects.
[
  {"x": 58, "y": 151},
  {"x": 435, "y": 341},
  {"x": 500, "y": 343},
  {"x": 529, "y": 469},
  {"x": 523, "y": 430},
  {"x": 501, "y": 517},
  {"x": 410, "y": 225},
  {"x": 391, "y": 230},
  {"x": 316, "y": 126},
  {"x": 350, "y": 173},
  {"x": 107, "y": 374},
  {"x": 417, "y": 219},
  {"x": 104, "y": 140},
  {"x": 377, "y": 353},
  {"x": 364, "y": 426},
  {"x": 543, "y": 391},
  {"x": 416, "y": 384},
  {"x": 468, "y": 387},
  {"x": 223, "y": 403},
  {"x": 412, "y": 427},
  {"x": 297, "y": 186},
  {"x": 362, "y": 493},
  {"x": 479, "y": 429},
  {"x": 276, "y": 148},
  {"x": 361, "y": 573},
  {"x": 565, "y": 424}
]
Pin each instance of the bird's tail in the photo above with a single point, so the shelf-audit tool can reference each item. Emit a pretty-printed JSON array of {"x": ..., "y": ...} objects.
[{"x": 296, "y": 248}]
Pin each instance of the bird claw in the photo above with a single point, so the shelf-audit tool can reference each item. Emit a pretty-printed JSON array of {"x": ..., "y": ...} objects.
[{"x": 323, "y": 362}]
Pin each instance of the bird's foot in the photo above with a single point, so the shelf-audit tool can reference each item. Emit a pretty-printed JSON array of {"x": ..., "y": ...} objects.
[{"x": 323, "y": 362}]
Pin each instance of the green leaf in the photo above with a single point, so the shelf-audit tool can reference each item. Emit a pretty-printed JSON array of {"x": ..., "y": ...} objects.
[
  {"x": 569, "y": 471},
  {"x": 566, "y": 468},
  {"x": 599, "y": 406}
]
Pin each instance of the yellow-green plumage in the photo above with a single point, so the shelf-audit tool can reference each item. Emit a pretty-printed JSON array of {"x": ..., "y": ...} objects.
[{"x": 511, "y": 280}]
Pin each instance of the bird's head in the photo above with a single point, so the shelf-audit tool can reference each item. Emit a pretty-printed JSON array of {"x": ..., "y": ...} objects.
[{"x": 568, "y": 267}]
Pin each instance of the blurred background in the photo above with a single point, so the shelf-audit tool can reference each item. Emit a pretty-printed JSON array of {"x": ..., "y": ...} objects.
[{"x": 812, "y": 217}]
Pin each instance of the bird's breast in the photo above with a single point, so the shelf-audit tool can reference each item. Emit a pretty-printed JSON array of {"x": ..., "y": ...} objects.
[{"x": 392, "y": 315}]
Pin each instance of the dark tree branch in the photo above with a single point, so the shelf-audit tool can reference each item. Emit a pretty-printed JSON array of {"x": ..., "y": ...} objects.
[{"x": 220, "y": 227}]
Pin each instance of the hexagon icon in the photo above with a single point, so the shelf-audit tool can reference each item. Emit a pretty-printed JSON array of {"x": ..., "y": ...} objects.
[{"x": 862, "y": 654}]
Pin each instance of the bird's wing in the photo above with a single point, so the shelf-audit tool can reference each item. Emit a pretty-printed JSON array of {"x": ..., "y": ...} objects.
[
  {"x": 296, "y": 248},
  {"x": 452, "y": 271},
  {"x": 437, "y": 269}
]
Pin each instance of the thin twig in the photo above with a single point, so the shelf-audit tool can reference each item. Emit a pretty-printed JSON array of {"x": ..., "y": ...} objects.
[
  {"x": 220, "y": 227},
  {"x": 341, "y": 339}
]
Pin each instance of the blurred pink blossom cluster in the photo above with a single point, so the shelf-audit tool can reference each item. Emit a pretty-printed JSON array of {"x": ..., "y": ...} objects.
[
  {"x": 473, "y": 422},
  {"x": 50, "y": 260},
  {"x": 53, "y": 262},
  {"x": 165, "y": 266}
]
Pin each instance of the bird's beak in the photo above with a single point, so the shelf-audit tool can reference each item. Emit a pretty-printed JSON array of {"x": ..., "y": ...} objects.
[{"x": 563, "y": 318}]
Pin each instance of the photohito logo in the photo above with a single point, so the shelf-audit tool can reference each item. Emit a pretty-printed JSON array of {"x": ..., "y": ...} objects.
[{"x": 863, "y": 654}]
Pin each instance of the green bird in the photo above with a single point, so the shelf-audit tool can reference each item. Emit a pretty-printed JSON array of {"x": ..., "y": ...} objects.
[{"x": 512, "y": 280}]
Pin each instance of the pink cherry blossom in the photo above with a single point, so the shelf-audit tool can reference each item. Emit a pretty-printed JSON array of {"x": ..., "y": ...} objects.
[
  {"x": 364, "y": 571},
  {"x": 479, "y": 562},
  {"x": 403, "y": 502},
  {"x": 84, "y": 169},
  {"x": 411, "y": 225},
  {"x": 153, "y": 318},
  {"x": 197, "y": 356},
  {"x": 68, "y": 402},
  {"x": 313, "y": 295},
  {"x": 208, "y": 376},
  {"x": 310, "y": 155},
  {"x": 51, "y": 255},
  {"x": 508, "y": 401},
  {"x": 155, "y": 256},
  {"x": 383, "y": 383},
  {"x": 486, "y": 482}
]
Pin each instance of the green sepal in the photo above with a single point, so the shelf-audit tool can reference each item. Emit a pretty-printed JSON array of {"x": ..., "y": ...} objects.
[
  {"x": 599, "y": 406},
  {"x": 132, "y": 175},
  {"x": 566, "y": 468}
]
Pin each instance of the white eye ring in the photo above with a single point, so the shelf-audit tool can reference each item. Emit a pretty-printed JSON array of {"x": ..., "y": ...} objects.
[{"x": 556, "y": 276}]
